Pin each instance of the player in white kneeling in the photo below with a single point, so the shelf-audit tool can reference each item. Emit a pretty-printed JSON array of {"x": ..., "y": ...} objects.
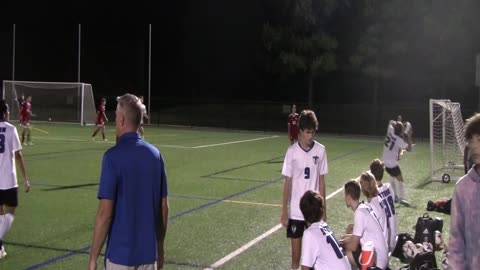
[
  {"x": 10, "y": 151},
  {"x": 320, "y": 249}
]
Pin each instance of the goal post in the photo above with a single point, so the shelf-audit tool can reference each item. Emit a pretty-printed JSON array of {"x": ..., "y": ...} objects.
[
  {"x": 53, "y": 101},
  {"x": 447, "y": 140}
]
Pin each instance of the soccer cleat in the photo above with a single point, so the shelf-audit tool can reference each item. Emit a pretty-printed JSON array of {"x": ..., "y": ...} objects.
[
  {"x": 406, "y": 203},
  {"x": 25, "y": 144},
  {"x": 105, "y": 140},
  {"x": 30, "y": 143},
  {"x": 3, "y": 253}
]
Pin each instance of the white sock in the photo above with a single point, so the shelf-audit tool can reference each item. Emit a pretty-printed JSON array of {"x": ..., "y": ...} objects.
[
  {"x": 6, "y": 225},
  {"x": 393, "y": 182},
  {"x": 401, "y": 190}
]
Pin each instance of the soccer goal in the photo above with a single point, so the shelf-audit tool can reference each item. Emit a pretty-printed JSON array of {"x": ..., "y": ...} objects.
[
  {"x": 447, "y": 140},
  {"x": 53, "y": 101}
]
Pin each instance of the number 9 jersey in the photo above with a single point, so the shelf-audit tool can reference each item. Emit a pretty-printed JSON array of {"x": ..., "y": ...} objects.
[{"x": 304, "y": 167}]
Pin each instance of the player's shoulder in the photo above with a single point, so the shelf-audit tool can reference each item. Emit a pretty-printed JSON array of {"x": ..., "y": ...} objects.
[
  {"x": 318, "y": 145},
  {"x": 7, "y": 125}
]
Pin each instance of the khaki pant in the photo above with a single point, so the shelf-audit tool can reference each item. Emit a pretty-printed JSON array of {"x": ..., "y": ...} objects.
[{"x": 113, "y": 266}]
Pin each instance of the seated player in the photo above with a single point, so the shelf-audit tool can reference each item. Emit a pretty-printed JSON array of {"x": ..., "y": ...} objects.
[
  {"x": 320, "y": 249},
  {"x": 101, "y": 120},
  {"x": 366, "y": 227},
  {"x": 377, "y": 168}
]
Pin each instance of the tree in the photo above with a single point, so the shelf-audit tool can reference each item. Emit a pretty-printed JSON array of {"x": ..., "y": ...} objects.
[{"x": 297, "y": 40}]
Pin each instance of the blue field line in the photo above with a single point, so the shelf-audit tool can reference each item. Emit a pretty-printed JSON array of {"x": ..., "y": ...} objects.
[
  {"x": 53, "y": 260},
  {"x": 203, "y": 206}
]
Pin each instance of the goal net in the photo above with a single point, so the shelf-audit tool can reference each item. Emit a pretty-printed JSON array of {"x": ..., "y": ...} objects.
[
  {"x": 447, "y": 140},
  {"x": 53, "y": 101}
]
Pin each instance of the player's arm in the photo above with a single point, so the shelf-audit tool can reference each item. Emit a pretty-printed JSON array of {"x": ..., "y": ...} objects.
[
  {"x": 161, "y": 232},
  {"x": 102, "y": 225},
  {"x": 19, "y": 159},
  {"x": 105, "y": 116},
  {"x": 350, "y": 242},
  {"x": 321, "y": 185},
  {"x": 287, "y": 189}
]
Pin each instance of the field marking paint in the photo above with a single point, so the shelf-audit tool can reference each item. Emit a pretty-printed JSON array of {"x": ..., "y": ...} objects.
[
  {"x": 37, "y": 129},
  {"x": 59, "y": 139},
  {"x": 234, "y": 142},
  {"x": 253, "y": 203},
  {"x": 243, "y": 248}
]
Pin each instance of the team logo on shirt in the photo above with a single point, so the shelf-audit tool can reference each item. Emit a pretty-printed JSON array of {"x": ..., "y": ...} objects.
[{"x": 315, "y": 159}]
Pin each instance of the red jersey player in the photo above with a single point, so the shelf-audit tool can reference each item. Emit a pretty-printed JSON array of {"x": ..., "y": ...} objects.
[
  {"x": 25, "y": 113},
  {"x": 101, "y": 119},
  {"x": 292, "y": 125}
]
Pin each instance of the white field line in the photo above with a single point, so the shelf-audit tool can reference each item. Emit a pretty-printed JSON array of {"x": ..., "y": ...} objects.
[
  {"x": 234, "y": 142},
  {"x": 59, "y": 139},
  {"x": 234, "y": 254}
]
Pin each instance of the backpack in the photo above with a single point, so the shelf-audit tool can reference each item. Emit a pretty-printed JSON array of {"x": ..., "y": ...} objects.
[
  {"x": 425, "y": 229},
  {"x": 398, "y": 250},
  {"x": 424, "y": 261}
]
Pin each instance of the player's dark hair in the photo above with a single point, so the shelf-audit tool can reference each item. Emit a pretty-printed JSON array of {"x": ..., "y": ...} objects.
[
  {"x": 352, "y": 188},
  {"x": 377, "y": 168},
  {"x": 307, "y": 120},
  {"x": 398, "y": 128},
  {"x": 368, "y": 185},
  {"x": 3, "y": 109},
  {"x": 312, "y": 206},
  {"x": 473, "y": 126}
]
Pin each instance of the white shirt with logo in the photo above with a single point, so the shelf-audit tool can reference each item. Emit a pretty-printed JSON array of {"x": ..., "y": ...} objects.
[
  {"x": 304, "y": 167},
  {"x": 367, "y": 227},
  {"x": 320, "y": 250},
  {"x": 9, "y": 144},
  {"x": 377, "y": 205}
]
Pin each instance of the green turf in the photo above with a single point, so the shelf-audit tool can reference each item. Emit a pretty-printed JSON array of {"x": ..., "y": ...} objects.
[{"x": 204, "y": 168}]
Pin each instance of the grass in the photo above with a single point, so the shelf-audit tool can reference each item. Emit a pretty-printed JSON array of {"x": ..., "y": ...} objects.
[{"x": 222, "y": 195}]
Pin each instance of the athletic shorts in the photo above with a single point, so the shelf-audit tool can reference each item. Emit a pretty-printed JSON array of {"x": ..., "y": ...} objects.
[
  {"x": 100, "y": 123},
  {"x": 295, "y": 228},
  {"x": 356, "y": 256},
  {"x": 394, "y": 172},
  {"x": 113, "y": 266},
  {"x": 9, "y": 197}
]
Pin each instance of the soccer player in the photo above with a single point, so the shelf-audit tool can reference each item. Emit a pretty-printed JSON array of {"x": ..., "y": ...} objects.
[
  {"x": 304, "y": 168},
  {"x": 10, "y": 151},
  {"x": 366, "y": 227},
  {"x": 377, "y": 168},
  {"x": 320, "y": 249},
  {"x": 394, "y": 141},
  {"x": 292, "y": 125},
  {"x": 464, "y": 243},
  {"x": 144, "y": 116},
  {"x": 25, "y": 114},
  {"x": 369, "y": 188},
  {"x": 101, "y": 120}
]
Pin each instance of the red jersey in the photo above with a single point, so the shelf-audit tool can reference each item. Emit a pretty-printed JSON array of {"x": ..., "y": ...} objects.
[
  {"x": 25, "y": 112},
  {"x": 293, "y": 126},
  {"x": 100, "y": 114}
]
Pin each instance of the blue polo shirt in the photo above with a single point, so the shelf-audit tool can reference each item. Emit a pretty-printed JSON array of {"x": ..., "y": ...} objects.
[{"x": 133, "y": 176}]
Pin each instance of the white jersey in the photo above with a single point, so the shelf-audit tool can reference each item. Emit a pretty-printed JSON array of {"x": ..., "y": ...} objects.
[
  {"x": 386, "y": 192},
  {"x": 391, "y": 147},
  {"x": 320, "y": 250},
  {"x": 304, "y": 167},
  {"x": 377, "y": 205},
  {"x": 9, "y": 144},
  {"x": 367, "y": 227}
]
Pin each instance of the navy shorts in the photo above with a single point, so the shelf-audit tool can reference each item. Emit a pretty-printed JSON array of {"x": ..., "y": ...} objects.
[
  {"x": 295, "y": 228},
  {"x": 9, "y": 197},
  {"x": 394, "y": 172}
]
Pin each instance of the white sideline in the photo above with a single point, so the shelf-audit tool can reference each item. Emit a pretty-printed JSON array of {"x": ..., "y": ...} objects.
[
  {"x": 234, "y": 142},
  {"x": 234, "y": 254}
]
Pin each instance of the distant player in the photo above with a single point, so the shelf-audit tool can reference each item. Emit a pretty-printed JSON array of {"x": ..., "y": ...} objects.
[
  {"x": 377, "y": 168},
  {"x": 25, "y": 114},
  {"x": 394, "y": 141},
  {"x": 320, "y": 249},
  {"x": 101, "y": 120},
  {"x": 304, "y": 168},
  {"x": 366, "y": 227},
  {"x": 10, "y": 153},
  {"x": 144, "y": 116},
  {"x": 293, "y": 125}
]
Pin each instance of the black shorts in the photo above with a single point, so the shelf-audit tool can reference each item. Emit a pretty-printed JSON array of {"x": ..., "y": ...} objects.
[
  {"x": 9, "y": 197},
  {"x": 394, "y": 172},
  {"x": 295, "y": 228}
]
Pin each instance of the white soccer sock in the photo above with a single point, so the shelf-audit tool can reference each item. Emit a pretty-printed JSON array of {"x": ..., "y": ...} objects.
[
  {"x": 401, "y": 190},
  {"x": 6, "y": 225},
  {"x": 393, "y": 182}
]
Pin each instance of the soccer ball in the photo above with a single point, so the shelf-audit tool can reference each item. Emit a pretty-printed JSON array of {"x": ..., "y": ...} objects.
[
  {"x": 419, "y": 249},
  {"x": 408, "y": 249},
  {"x": 438, "y": 240}
]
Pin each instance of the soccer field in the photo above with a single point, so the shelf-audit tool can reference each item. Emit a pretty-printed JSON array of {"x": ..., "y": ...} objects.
[{"x": 225, "y": 193}]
